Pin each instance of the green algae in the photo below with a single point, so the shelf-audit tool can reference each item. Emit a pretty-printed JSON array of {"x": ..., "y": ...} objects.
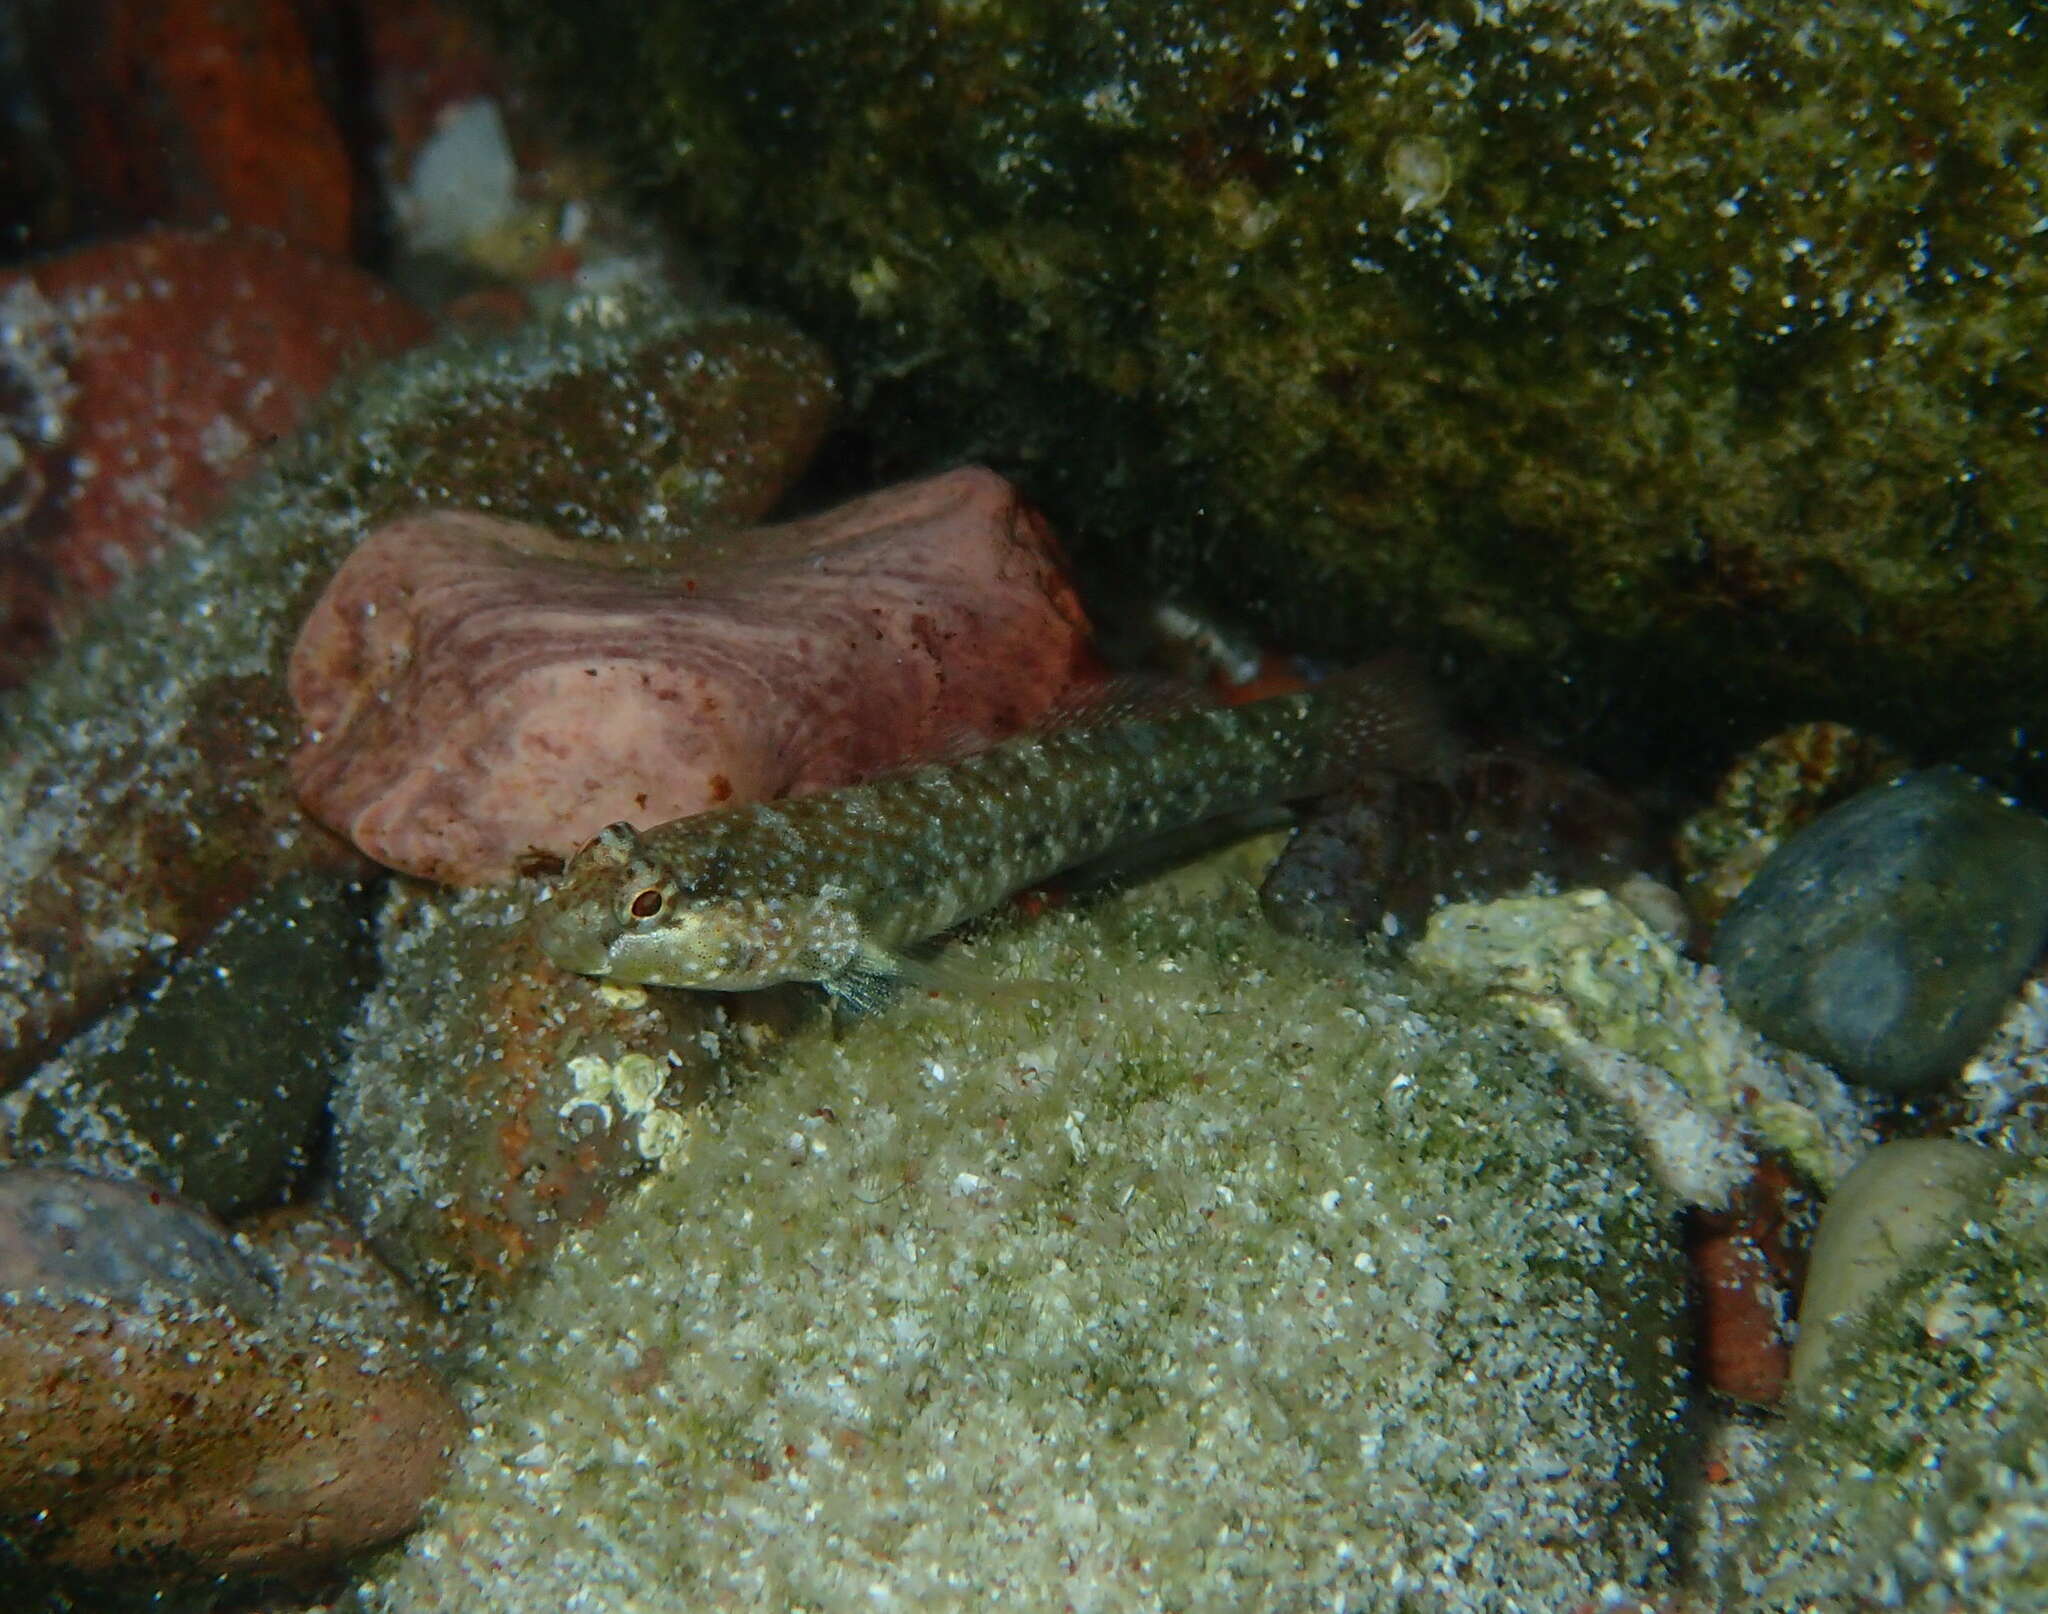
[
  {"x": 1206, "y": 1269},
  {"x": 1614, "y": 346}
]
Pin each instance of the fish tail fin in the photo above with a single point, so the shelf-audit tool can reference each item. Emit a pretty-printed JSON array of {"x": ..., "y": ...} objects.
[{"x": 1387, "y": 718}]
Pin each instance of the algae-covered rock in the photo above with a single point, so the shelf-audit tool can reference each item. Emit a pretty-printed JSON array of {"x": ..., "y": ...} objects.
[
  {"x": 1653, "y": 1033},
  {"x": 1197, "y": 1269},
  {"x": 1915, "y": 1473},
  {"x": 1890, "y": 935},
  {"x": 1633, "y": 351},
  {"x": 214, "y": 1081}
]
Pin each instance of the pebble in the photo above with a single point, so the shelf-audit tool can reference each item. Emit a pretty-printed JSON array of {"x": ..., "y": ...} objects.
[
  {"x": 1889, "y": 936},
  {"x": 1904, "y": 1198}
]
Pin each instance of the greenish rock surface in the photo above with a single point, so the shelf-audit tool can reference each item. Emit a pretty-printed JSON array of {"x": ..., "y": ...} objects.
[
  {"x": 1205, "y": 1271},
  {"x": 1678, "y": 365},
  {"x": 1914, "y": 1474},
  {"x": 1652, "y": 1032},
  {"x": 212, "y": 1083},
  {"x": 1890, "y": 936}
]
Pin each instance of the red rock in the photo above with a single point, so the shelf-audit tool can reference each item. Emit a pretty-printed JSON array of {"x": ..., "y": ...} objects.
[
  {"x": 478, "y": 691},
  {"x": 183, "y": 355},
  {"x": 157, "y": 1427},
  {"x": 140, "y": 379},
  {"x": 1743, "y": 1271},
  {"x": 188, "y": 111}
]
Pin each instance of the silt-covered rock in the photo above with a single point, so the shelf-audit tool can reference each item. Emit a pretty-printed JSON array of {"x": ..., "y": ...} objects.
[{"x": 1205, "y": 1266}]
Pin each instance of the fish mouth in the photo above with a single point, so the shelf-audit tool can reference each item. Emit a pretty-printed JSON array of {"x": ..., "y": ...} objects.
[{"x": 574, "y": 946}]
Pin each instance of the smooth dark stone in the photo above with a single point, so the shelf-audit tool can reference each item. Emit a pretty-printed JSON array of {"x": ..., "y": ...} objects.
[
  {"x": 215, "y": 1081},
  {"x": 1889, "y": 936}
]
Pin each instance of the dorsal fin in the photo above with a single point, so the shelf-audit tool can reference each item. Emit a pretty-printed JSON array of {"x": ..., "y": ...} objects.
[{"x": 1126, "y": 698}]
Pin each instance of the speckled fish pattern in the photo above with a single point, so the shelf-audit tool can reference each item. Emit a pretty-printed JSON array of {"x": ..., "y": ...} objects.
[{"x": 831, "y": 887}]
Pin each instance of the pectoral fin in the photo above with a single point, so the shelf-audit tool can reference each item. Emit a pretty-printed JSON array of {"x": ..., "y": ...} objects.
[
  {"x": 868, "y": 980},
  {"x": 877, "y": 973}
]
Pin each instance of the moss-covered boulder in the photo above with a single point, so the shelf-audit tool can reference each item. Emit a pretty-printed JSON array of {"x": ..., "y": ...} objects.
[
  {"x": 1628, "y": 350},
  {"x": 1198, "y": 1266}
]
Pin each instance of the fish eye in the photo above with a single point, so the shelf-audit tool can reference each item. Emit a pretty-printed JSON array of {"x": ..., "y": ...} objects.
[{"x": 647, "y": 904}]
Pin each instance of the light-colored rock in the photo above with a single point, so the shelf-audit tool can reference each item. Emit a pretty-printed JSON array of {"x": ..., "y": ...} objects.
[{"x": 1901, "y": 1201}]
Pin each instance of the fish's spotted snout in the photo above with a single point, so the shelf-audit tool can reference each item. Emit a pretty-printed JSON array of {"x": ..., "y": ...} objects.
[{"x": 573, "y": 944}]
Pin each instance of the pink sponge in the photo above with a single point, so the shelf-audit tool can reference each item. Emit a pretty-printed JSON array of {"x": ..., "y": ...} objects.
[{"x": 477, "y": 691}]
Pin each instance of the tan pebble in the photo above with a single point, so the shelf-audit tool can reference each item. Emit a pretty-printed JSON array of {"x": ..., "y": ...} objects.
[{"x": 1904, "y": 1199}]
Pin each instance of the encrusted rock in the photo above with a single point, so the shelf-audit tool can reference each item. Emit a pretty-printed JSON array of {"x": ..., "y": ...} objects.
[
  {"x": 478, "y": 692},
  {"x": 1566, "y": 334},
  {"x": 1652, "y": 1031},
  {"x": 492, "y": 1104},
  {"x": 1773, "y": 790}
]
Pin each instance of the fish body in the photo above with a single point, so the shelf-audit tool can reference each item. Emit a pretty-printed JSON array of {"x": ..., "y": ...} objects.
[{"x": 832, "y": 887}]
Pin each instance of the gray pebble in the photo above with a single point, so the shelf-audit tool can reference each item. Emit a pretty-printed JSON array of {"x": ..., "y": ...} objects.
[
  {"x": 1890, "y": 934},
  {"x": 65, "y": 1236}
]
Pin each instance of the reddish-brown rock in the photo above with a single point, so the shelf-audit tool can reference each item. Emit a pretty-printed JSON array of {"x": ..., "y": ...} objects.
[
  {"x": 142, "y": 377},
  {"x": 187, "y": 111},
  {"x": 1745, "y": 1274},
  {"x": 477, "y": 691},
  {"x": 165, "y": 1420}
]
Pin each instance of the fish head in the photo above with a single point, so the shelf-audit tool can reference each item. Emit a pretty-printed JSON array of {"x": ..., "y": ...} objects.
[{"x": 624, "y": 915}]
